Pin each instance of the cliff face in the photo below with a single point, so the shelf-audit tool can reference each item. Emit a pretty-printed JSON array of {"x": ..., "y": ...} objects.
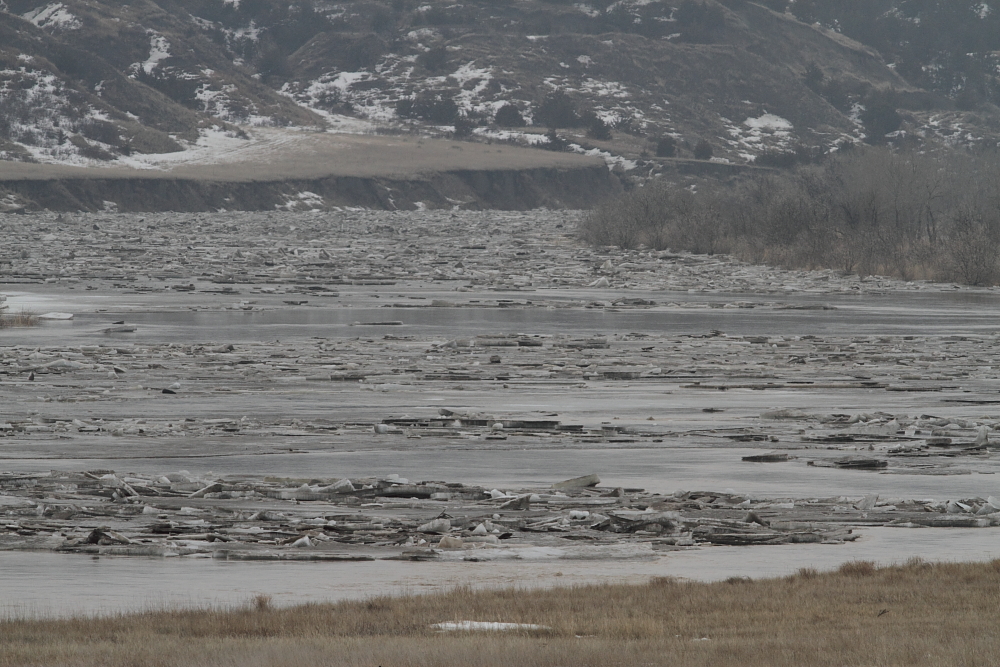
[{"x": 508, "y": 189}]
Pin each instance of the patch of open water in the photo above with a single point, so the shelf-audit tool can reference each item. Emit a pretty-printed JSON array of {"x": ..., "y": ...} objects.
[
  {"x": 658, "y": 470},
  {"x": 898, "y": 314},
  {"x": 48, "y": 584}
]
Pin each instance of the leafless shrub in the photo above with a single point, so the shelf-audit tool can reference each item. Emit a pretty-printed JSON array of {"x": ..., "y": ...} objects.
[
  {"x": 651, "y": 215},
  {"x": 870, "y": 211},
  {"x": 972, "y": 249},
  {"x": 23, "y": 318}
]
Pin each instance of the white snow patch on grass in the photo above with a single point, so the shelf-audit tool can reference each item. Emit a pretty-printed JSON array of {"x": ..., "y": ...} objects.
[
  {"x": 159, "y": 50},
  {"x": 609, "y": 159},
  {"x": 768, "y": 121},
  {"x": 468, "y": 72},
  {"x": 604, "y": 88},
  {"x": 341, "y": 124},
  {"x": 45, "y": 132},
  {"x": 611, "y": 118},
  {"x": 219, "y": 102},
  {"x": 374, "y": 95},
  {"x": 468, "y": 99},
  {"x": 345, "y": 80},
  {"x": 422, "y": 33},
  {"x": 251, "y": 32},
  {"x": 319, "y": 93},
  {"x": 766, "y": 132},
  {"x": 489, "y": 626},
  {"x": 54, "y": 15},
  {"x": 214, "y": 145},
  {"x": 529, "y": 138}
]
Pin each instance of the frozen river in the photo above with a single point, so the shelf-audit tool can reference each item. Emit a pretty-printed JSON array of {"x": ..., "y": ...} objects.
[
  {"x": 544, "y": 312},
  {"x": 667, "y": 376}
]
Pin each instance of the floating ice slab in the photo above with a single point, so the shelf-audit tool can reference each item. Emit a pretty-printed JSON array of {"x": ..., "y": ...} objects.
[{"x": 487, "y": 626}]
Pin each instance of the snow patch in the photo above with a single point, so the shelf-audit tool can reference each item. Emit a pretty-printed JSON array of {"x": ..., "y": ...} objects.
[
  {"x": 303, "y": 201},
  {"x": 374, "y": 95},
  {"x": 604, "y": 88},
  {"x": 330, "y": 89},
  {"x": 609, "y": 159},
  {"x": 213, "y": 145},
  {"x": 251, "y": 32},
  {"x": 487, "y": 626},
  {"x": 422, "y": 34},
  {"x": 44, "y": 118},
  {"x": 467, "y": 98},
  {"x": 766, "y": 132},
  {"x": 768, "y": 121},
  {"x": 159, "y": 50},
  {"x": 54, "y": 16},
  {"x": 218, "y": 101},
  {"x": 468, "y": 72},
  {"x": 529, "y": 138}
]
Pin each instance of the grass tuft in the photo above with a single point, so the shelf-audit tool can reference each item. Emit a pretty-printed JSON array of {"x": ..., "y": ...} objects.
[
  {"x": 23, "y": 318},
  {"x": 857, "y": 568}
]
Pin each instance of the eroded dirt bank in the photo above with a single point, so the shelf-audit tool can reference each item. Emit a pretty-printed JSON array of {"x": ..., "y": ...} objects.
[
  {"x": 300, "y": 171},
  {"x": 474, "y": 189}
]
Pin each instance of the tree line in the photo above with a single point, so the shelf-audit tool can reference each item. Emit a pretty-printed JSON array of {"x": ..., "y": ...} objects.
[{"x": 867, "y": 210}]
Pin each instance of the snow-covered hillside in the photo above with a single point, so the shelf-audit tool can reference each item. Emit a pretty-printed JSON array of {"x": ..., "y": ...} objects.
[{"x": 99, "y": 82}]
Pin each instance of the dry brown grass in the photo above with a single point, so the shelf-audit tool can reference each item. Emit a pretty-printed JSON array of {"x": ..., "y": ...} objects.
[
  {"x": 287, "y": 154},
  {"x": 915, "y": 614},
  {"x": 21, "y": 319}
]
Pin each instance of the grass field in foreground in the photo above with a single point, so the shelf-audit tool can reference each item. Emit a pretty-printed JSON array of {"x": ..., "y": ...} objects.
[{"x": 914, "y": 614}]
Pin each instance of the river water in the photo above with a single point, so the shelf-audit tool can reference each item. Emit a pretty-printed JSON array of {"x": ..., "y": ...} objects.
[
  {"x": 851, "y": 315},
  {"x": 46, "y": 583}
]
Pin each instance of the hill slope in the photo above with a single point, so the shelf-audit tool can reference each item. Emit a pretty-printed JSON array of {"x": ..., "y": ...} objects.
[{"x": 86, "y": 82}]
